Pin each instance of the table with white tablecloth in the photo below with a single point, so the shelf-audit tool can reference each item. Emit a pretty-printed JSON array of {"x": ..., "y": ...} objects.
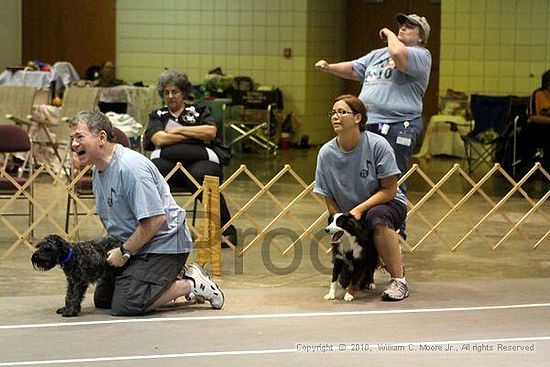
[
  {"x": 440, "y": 139},
  {"x": 140, "y": 100},
  {"x": 62, "y": 74},
  {"x": 28, "y": 78}
]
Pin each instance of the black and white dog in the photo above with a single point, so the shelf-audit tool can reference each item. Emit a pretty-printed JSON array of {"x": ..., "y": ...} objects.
[
  {"x": 354, "y": 255},
  {"x": 83, "y": 263}
]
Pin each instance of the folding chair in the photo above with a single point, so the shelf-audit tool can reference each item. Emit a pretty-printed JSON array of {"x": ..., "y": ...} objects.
[
  {"x": 491, "y": 119},
  {"x": 82, "y": 189},
  {"x": 253, "y": 118},
  {"x": 75, "y": 99},
  {"x": 16, "y": 104},
  {"x": 15, "y": 108},
  {"x": 12, "y": 188},
  {"x": 510, "y": 153}
]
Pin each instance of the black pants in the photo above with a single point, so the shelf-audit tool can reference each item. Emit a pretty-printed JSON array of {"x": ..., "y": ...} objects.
[
  {"x": 535, "y": 145},
  {"x": 195, "y": 160}
]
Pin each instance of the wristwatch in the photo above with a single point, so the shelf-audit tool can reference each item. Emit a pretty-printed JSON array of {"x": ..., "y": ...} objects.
[{"x": 126, "y": 254}]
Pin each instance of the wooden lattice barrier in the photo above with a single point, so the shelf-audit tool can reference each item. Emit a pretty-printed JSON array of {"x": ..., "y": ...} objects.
[
  {"x": 86, "y": 210},
  {"x": 284, "y": 210},
  {"x": 41, "y": 207},
  {"x": 416, "y": 217},
  {"x": 188, "y": 199},
  {"x": 50, "y": 206},
  {"x": 280, "y": 202},
  {"x": 496, "y": 208}
]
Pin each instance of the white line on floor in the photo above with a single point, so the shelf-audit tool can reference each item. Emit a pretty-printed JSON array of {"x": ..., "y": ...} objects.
[
  {"x": 408, "y": 346},
  {"x": 271, "y": 316},
  {"x": 154, "y": 356}
]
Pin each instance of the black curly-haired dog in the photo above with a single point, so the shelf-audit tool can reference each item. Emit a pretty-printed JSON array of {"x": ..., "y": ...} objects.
[{"x": 83, "y": 263}]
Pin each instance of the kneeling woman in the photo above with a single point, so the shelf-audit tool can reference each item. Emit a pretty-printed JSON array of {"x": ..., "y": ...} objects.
[
  {"x": 357, "y": 173},
  {"x": 183, "y": 132}
]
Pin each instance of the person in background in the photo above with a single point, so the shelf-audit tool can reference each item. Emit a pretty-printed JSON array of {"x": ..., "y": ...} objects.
[
  {"x": 394, "y": 79},
  {"x": 357, "y": 173},
  {"x": 539, "y": 106},
  {"x": 107, "y": 76},
  {"x": 135, "y": 206},
  {"x": 185, "y": 132},
  {"x": 538, "y": 126}
]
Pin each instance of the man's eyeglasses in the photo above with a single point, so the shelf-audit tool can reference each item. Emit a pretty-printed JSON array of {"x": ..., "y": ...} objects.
[{"x": 340, "y": 113}]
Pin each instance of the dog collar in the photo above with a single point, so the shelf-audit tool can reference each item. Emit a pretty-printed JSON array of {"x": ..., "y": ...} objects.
[{"x": 67, "y": 258}]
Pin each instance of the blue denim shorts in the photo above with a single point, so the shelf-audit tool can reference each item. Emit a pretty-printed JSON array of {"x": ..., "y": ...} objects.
[{"x": 391, "y": 214}]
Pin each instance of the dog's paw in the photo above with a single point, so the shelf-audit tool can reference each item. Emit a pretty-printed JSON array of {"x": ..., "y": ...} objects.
[
  {"x": 65, "y": 312},
  {"x": 71, "y": 313},
  {"x": 332, "y": 291},
  {"x": 348, "y": 297}
]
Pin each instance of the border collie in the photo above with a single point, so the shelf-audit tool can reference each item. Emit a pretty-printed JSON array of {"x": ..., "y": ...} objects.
[{"x": 353, "y": 254}]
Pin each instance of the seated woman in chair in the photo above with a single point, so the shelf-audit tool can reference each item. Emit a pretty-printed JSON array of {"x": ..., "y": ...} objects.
[
  {"x": 107, "y": 76},
  {"x": 538, "y": 128},
  {"x": 182, "y": 132}
]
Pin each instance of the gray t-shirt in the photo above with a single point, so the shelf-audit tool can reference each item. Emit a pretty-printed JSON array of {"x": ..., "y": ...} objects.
[
  {"x": 389, "y": 94},
  {"x": 131, "y": 189},
  {"x": 350, "y": 178}
]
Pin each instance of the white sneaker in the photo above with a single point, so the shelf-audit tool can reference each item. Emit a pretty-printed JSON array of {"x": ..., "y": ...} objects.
[
  {"x": 204, "y": 287},
  {"x": 397, "y": 291}
]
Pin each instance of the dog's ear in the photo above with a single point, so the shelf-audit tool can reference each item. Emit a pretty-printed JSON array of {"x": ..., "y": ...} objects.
[
  {"x": 51, "y": 238},
  {"x": 348, "y": 220},
  {"x": 358, "y": 225},
  {"x": 55, "y": 239},
  {"x": 347, "y": 217}
]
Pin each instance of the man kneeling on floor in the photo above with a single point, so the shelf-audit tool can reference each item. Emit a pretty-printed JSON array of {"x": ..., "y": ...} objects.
[{"x": 134, "y": 204}]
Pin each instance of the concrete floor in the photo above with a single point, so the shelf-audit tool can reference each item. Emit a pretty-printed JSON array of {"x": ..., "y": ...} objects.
[{"x": 474, "y": 306}]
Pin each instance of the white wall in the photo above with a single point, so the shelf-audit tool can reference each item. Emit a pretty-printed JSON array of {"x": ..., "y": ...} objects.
[
  {"x": 494, "y": 47},
  {"x": 10, "y": 33},
  {"x": 243, "y": 37}
]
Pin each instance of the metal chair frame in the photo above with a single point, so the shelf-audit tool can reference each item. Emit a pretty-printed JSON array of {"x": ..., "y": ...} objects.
[
  {"x": 249, "y": 126},
  {"x": 75, "y": 99},
  {"x": 489, "y": 113}
]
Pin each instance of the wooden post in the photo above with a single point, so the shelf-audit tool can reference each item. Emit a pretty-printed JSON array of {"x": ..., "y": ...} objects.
[{"x": 209, "y": 241}]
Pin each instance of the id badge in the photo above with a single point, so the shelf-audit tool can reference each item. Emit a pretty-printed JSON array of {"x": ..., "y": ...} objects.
[{"x": 404, "y": 138}]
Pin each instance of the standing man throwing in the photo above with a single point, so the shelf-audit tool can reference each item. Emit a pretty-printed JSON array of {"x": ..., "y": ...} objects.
[{"x": 394, "y": 80}]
